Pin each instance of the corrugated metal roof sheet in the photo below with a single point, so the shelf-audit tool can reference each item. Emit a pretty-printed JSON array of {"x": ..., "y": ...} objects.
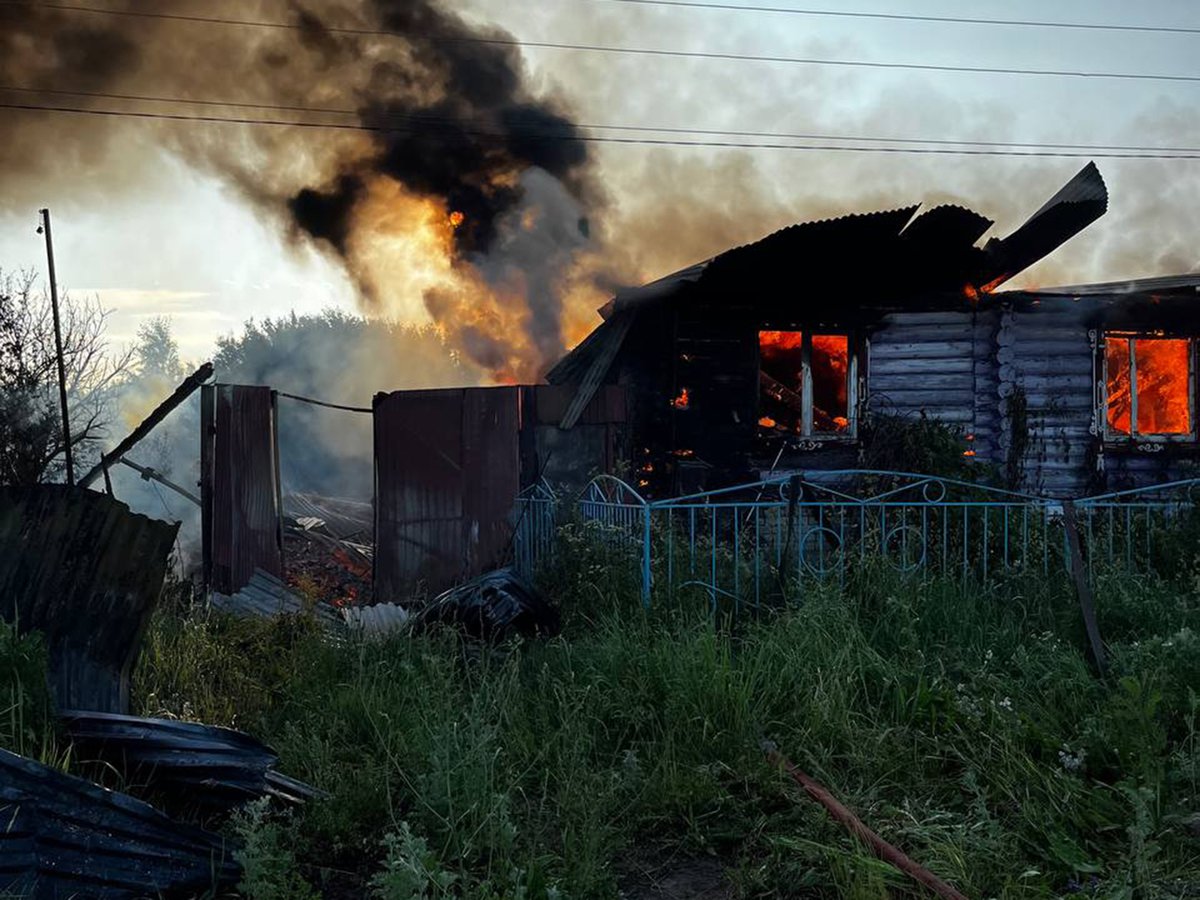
[
  {"x": 1129, "y": 286},
  {"x": 198, "y": 765},
  {"x": 858, "y": 233},
  {"x": 1079, "y": 203},
  {"x": 66, "y": 837},
  {"x": 932, "y": 254}
]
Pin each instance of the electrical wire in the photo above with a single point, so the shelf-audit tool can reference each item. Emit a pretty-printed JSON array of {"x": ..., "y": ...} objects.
[
  {"x": 659, "y": 129},
  {"x": 639, "y": 51},
  {"x": 914, "y": 17},
  {"x": 592, "y": 139}
]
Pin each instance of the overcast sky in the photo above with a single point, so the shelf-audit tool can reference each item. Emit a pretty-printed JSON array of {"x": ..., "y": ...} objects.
[{"x": 178, "y": 242}]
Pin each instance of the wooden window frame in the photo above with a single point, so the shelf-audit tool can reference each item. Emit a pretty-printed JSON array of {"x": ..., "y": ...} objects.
[
  {"x": 855, "y": 386},
  {"x": 1118, "y": 440}
]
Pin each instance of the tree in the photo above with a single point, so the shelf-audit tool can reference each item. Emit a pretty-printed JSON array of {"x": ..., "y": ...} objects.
[
  {"x": 31, "y": 439},
  {"x": 157, "y": 352}
]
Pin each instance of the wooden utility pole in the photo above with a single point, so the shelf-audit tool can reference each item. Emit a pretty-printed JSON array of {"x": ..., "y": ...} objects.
[{"x": 58, "y": 348}]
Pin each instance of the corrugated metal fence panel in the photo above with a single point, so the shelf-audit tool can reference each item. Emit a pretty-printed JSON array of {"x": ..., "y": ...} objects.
[
  {"x": 418, "y": 489},
  {"x": 491, "y": 473},
  {"x": 449, "y": 464},
  {"x": 84, "y": 570},
  {"x": 246, "y": 523}
]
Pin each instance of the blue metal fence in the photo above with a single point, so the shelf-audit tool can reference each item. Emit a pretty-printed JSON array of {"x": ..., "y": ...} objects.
[{"x": 744, "y": 544}]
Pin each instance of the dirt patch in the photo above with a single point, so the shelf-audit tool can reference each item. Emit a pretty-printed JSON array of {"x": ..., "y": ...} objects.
[{"x": 673, "y": 878}]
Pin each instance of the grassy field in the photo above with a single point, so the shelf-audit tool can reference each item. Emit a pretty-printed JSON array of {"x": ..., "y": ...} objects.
[{"x": 966, "y": 727}]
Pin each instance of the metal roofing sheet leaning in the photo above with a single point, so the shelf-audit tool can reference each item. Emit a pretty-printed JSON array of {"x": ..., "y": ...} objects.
[{"x": 1079, "y": 203}]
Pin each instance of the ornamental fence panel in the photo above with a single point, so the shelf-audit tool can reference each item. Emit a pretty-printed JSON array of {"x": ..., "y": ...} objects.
[{"x": 747, "y": 544}]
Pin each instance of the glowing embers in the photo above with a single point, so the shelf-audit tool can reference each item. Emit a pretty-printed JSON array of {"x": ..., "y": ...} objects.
[
  {"x": 1149, "y": 386},
  {"x": 804, "y": 383},
  {"x": 683, "y": 400}
]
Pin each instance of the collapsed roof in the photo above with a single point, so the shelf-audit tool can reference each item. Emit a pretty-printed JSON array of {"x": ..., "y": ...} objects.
[{"x": 902, "y": 255}]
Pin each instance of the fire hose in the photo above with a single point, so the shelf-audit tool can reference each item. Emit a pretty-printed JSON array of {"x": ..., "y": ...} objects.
[{"x": 881, "y": 848}]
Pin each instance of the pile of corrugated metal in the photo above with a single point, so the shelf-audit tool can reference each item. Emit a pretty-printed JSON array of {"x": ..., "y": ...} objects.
[
  {"x": 267, "y": 596},
  {"x": 65, "y": 837},
  {"x": 190, "y": 766},
  {"x": 86, "y": 573}
]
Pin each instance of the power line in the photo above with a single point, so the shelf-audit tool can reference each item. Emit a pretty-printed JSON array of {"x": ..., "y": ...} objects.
[
  {"x": 658, "y": 129},
  {"x": 912, "y": 17},
  {"x": 945, "y": 151},
  {"x": 636, "y": 51}
]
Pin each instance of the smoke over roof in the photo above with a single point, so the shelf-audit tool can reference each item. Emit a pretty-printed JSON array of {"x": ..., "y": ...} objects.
[{"x": 457, "y": 168}]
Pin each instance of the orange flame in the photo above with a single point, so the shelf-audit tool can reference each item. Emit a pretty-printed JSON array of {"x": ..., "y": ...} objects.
[
  {"x": 767, "y": 422},
  {"x": 683, "y": 401},
  {"x": 973, "y": 293},
  {"x": 457, "y": 218},
  {"x": 780, "y": 340},
  {"x": 1163, "y": 389}
]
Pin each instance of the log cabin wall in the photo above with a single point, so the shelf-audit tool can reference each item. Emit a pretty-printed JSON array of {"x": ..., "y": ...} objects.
[
  {"x": 940, "y": 364},
  {"x": 1050, "y": 365},
  {"x": 1018, "y": 377}
]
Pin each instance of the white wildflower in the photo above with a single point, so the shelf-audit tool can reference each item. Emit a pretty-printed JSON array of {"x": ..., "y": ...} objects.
[{"x": 1071, "y": 762}]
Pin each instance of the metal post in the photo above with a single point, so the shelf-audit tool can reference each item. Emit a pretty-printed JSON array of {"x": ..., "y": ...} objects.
[
  {"x": 646, "y": 551},
  {"x": 58, "y": 348}
]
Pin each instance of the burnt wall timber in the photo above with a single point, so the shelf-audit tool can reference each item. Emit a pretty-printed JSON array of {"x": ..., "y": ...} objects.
[{"x": 84, "y": 570}]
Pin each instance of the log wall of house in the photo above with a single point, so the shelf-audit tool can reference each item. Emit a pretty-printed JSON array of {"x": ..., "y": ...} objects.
[
  {"x": 1047, "y": 353},
  {"x": 1048, "y": 396},
  {"x": 940, "y": 364}
]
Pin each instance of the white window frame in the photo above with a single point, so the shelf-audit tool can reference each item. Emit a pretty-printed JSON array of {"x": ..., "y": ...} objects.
[
  {"x": 807, "y": 431},
  {"x": 1133, "y": 437}
]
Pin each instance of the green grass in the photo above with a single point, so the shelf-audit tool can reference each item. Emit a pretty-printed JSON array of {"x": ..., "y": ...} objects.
[{"x": 967, "y": 728}]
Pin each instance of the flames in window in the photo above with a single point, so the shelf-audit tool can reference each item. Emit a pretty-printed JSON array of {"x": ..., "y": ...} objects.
[
  {"x": 830, "y": 362},
  {"x": 1154, "y": 376},
  {"x": 784, "y": 406}
]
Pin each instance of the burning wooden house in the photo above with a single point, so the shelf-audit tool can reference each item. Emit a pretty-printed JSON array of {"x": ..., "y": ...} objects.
[{"x": 783, "y": 354}]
